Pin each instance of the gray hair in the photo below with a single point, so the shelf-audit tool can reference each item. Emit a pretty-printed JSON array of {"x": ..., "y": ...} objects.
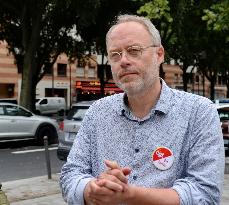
[{"x": 156, "y": 38}]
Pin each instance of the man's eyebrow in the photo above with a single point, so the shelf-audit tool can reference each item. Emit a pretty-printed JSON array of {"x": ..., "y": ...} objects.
[{"x": 119, "y": 49}]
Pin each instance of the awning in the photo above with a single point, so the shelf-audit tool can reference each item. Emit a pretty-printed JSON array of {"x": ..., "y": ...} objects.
[{"x": 94, "y": 87}]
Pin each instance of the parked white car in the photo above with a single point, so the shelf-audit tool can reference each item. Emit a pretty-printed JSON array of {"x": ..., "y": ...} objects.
[
  {"x": 70, "y": 127},
  {"x": 50, "y": 105},
  {"x": 17, "y": 122}
]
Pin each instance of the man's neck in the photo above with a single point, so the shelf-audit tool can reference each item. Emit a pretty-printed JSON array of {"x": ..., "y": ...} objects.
[{"x": 141, "y": 104}]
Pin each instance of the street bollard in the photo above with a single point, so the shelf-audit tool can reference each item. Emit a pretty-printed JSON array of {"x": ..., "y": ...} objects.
[
  {"x": 47, "y": 157},
  {"x": 3, "y": 197}
]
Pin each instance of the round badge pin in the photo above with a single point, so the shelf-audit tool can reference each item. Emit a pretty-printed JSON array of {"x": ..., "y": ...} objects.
[{"x": 163, "y": 158}]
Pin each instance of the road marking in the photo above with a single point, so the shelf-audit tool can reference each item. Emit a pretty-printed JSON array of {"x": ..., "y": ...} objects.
[{"x": 32, "y": 150}]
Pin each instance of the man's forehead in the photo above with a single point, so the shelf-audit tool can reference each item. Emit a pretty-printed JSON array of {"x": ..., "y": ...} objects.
[
  {"x": 126, "y": 26},
  {"x": 130, "y": 32}
]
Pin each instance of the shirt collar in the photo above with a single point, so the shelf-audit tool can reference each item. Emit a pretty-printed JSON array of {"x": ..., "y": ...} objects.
[{"x": 162, "y": 105}]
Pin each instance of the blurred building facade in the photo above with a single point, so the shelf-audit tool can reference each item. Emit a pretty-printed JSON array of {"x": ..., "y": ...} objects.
[{"x": 80, "y": 80}]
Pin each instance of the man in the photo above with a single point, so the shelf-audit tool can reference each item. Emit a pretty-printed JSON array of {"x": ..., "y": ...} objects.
[{"x": 150, "y": 145}]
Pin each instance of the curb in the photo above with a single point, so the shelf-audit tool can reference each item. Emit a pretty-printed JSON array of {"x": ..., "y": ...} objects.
[{"x": 31, "y": 188}]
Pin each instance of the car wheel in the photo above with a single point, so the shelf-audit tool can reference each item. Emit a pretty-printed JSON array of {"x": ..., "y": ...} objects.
[{"x": 46, "y": 131}]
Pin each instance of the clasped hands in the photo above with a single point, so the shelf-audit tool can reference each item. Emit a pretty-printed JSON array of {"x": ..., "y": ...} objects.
[{"x": 111, "y": 187}]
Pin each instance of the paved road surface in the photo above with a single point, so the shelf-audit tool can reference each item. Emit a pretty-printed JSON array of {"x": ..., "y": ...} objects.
[{"x": 25, "y": 162}]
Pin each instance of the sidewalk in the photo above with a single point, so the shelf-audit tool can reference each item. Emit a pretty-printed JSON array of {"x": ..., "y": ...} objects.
[
  {"x": 44, "y": 191},
  {"x": 34, "y": 191}
]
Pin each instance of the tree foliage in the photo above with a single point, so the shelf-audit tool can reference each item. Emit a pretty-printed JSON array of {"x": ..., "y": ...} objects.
[
  {"x": 187, "y": 37},
  {"x": 95, "y": 33},
  {"x": 217, "y": 16},
  {"x": 37, "y": 31},
  {"x": 217, "y": 19},
  {"x": 172, "y": 18}
]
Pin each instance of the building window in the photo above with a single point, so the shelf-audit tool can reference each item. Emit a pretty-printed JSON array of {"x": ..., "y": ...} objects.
[
  {"x": 176, "y": 78},
  {"x": 81, "y": 62},
  {"x": 91, "y": 72},
  {"x": 62, "y": 69},
  {"x": 80, "y": 71},
  {"x": 222, "y": 80}
]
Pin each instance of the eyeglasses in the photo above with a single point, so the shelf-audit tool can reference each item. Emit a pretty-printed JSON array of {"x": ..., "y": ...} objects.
[{"x": 131, "y": 52}]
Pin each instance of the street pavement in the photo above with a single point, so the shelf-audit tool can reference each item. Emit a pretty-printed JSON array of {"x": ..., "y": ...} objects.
[
  {"x": 34, "y": 191},
  {"x": 43, "y": 191}
]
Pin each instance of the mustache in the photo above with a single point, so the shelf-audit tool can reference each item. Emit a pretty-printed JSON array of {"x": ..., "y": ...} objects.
[{"x": 126, "y": 72}]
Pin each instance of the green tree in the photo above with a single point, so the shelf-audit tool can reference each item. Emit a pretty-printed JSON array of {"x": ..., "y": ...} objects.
[
  {"x": 213, "y": 59},
  {"x": 95, "y": 33},
  {"x": 172, "y": 20},
  {"x": 37, "y": 31},
  {"x": 217, "y": 18},
  {"x": 185, "y": 35}
]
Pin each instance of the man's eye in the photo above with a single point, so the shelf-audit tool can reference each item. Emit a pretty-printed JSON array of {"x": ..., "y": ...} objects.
[
  {"x": 134, "y": 51},
  {"x": 114, "y": 55}
]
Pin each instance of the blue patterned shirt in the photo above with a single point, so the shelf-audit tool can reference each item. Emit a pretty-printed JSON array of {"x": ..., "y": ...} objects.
[{"x": 185, "y": 123}]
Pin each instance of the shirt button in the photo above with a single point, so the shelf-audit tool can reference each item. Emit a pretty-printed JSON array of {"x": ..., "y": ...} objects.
[
  {"x": 136, "y": 150},
  {"x": 134, "y": 177}
]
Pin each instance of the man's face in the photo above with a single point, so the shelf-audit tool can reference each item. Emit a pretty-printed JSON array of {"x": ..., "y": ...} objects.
[{"x": 133, "y": 73}]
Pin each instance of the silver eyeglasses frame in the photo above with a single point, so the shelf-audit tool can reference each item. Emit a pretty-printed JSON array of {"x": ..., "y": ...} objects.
[{"x": 131, "y": 52}]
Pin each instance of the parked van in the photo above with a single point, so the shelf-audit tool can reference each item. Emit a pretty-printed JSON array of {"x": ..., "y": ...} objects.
[
  {"x": 9, "y": 100},
  {"x": 51, "y": 105}
]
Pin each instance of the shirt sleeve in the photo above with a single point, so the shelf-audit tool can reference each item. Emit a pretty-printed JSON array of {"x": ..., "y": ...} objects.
[
  {"x": 206, "y": 160},
  {"x": 76, "y": 172}
]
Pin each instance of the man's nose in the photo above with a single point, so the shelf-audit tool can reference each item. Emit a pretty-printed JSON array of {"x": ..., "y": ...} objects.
[
  {"x": 124, "y": 56},
  {"x": 124, "y": 61}
]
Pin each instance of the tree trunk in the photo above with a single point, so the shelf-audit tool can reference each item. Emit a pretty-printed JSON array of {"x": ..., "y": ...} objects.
[
  {"x": 227, "y": 90},
  {"x": 203, "y": 85},
  {"x": 31, "y": 39},
  {"x": 26, "y": 83},
  {"x": 33, "y": 95},
  {"x": 185, "y": 82},
  {"x": 212, "y": 88}
]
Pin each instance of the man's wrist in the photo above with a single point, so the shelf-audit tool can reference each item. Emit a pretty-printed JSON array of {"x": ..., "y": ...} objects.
[
  {"x": 85, "y": 194},
  {"x": 130, "y": 194}
]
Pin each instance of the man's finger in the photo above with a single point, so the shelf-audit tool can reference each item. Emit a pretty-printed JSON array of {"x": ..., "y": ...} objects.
[
  {"x": 112, "y": 164},
  {"x": 126, "y": 171},
  {"x": 115, "y": 175},
  {"x": 110, "y": 185}
]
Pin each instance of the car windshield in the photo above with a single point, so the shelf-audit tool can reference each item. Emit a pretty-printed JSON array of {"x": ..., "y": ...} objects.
[
  {"x": 223, "y": 114},
  {"x": 77, "y": 113}
]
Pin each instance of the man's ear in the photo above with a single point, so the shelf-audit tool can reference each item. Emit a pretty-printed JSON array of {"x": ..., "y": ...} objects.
[{"x": 160, "y": 54}]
